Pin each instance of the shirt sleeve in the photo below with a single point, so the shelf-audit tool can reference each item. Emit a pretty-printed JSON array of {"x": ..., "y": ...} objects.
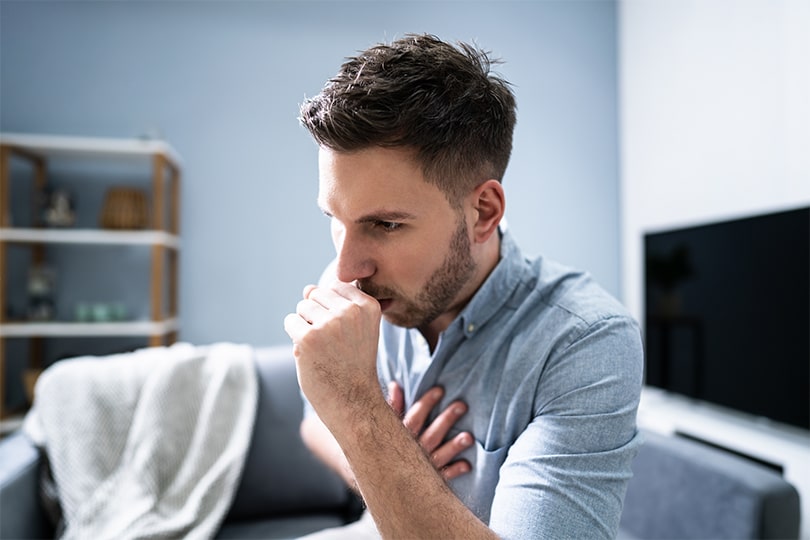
[{"x": 566, "y": 474}]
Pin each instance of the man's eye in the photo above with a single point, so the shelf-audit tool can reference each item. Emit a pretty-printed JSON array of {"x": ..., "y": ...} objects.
[{"x": 387, "y": 226}]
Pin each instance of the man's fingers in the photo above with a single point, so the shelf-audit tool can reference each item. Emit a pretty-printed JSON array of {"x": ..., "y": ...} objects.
[
  {"x": 320, "y": 304},
  {"x": 455, "y": 469},
  {"x": 308, "y": 289},
  {"x": 417, "y": 415},
  {"x": 353, "y": 294},
  {"x": 443, "y": 457},
  {"x": 326, "y": 297},
  {"x": 295, "y": 326},
  {"x": 396, "y": 398},
  {"x": 312, "y": 312},
  {"x": 435, "y": 433}
]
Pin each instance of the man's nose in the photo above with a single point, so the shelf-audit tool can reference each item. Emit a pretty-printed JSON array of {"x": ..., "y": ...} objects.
[{"x": 354, "y": 259}]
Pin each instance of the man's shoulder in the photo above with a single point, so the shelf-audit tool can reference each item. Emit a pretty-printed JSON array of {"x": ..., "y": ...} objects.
[
  {"x": 569, "y": 319},
  {"x": 568, "y": 292}
]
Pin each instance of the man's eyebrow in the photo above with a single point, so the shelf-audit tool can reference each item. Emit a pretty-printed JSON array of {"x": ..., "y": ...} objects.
[
  {"x": 379, "y": 215},
  {"x": 386, "y": 215}
]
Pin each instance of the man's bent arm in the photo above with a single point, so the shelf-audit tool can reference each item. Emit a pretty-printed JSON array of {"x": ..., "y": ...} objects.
[
  {"x": 320, "y": 441},
  {"x": 335, "y": 334},
  {"x": 407, "y": 497}
]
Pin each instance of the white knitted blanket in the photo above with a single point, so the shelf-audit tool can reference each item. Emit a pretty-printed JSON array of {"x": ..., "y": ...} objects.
[{"x": 148, "y": 444}]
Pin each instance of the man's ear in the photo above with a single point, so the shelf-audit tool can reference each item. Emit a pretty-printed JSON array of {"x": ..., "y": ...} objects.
[{"x": 489, "y": 203}]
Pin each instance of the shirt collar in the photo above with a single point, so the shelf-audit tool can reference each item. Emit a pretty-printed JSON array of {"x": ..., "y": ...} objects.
[{"x": 496, "y": 289}]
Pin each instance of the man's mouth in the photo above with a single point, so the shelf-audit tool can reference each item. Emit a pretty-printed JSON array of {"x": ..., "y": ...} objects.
[{"x": 375, "y": 292}]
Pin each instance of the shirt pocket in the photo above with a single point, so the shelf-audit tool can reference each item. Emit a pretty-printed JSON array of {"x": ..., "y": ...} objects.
[{"x": 476, "y": 489}]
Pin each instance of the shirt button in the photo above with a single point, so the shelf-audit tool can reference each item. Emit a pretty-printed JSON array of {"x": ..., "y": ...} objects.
[{"x": 471, "y": 328}]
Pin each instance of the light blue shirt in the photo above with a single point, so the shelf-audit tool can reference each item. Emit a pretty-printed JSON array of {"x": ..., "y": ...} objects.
[{"x": 550, "y": 366}]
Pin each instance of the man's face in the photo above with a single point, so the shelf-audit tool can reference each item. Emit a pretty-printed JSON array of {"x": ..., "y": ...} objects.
[{"x": 396, "y": 236}]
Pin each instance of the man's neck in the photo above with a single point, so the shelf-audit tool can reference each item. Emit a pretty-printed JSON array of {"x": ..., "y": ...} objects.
[{"x": 433, "y": 329}]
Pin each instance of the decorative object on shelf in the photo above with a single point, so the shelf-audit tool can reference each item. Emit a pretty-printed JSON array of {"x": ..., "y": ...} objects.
[
  {"x": 59, "y": 209},
  {"x": 84, "y": 312},
  {"x": 125, "y": 208},
  {"x": 118, "y": 311},
  {"x": 41, "y": 281},
  {"x": 101, "y": 312}
]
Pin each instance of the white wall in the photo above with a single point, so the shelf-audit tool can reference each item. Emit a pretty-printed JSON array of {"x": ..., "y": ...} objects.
[
  {"x": 715, "y": 123},
  {"x": 714, "y": 114}
]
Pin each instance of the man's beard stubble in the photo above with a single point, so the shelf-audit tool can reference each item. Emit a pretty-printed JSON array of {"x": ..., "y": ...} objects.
[{"x": 440, "y": 290}]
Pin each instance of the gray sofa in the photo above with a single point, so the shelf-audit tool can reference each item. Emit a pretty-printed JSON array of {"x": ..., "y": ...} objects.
[
  {"x": 284, "y": 491},
  {"x": 680, "y": 489}
]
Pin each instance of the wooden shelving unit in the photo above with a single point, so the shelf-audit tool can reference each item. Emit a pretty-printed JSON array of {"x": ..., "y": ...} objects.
[{"x": 161, "y": 238}]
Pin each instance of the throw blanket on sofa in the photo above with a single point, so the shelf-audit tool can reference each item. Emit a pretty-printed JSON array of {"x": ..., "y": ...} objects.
[{"x": 147, "y": 444}]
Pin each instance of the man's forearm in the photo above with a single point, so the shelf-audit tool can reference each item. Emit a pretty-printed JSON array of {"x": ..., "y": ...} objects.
[{"x": 407, "y": 497}]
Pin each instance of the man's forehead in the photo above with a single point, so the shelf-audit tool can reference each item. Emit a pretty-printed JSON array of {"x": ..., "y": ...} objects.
[{"x": 372, "y": 182}]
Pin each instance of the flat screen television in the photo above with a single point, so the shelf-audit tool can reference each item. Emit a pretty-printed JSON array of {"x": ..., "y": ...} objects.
[{"x": 727, "y": 314}]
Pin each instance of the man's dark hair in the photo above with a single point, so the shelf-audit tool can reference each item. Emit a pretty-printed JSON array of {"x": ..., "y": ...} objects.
[{"x": 427, "y": 95}]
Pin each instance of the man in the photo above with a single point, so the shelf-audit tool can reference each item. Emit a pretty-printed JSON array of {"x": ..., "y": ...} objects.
[{"x": 432, "y": 299}]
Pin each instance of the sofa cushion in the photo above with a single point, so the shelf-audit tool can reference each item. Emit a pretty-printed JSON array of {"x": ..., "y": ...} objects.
[
  {"x": 281, "y": 527},
  {"x": 281, "y": 476}
]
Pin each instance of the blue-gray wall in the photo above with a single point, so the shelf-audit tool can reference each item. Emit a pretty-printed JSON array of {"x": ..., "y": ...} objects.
[{"x": 221, "y": 81}]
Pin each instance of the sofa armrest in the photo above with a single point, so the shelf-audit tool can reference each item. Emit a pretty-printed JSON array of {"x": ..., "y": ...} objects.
[
  {"x": 684, "y": 489},
  {"x": 21, "y": 513}
]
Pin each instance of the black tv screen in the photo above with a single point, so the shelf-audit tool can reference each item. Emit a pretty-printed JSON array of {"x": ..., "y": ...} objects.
[{"x": 727, "y": 314}]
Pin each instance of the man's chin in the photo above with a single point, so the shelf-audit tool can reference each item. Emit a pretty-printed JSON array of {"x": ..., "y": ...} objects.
[
  {"x": 392, "y": 317},
  {"x": 389, "y": 313},
  {"x": 406, "y": 320}
]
